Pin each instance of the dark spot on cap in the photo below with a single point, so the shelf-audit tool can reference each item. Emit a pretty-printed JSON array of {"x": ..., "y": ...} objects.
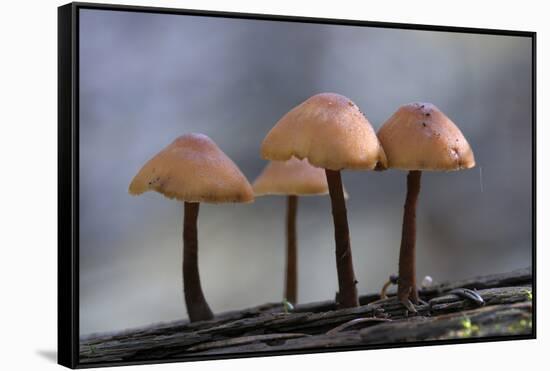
[
  {"x": 424, "y": 124},
  {"x": 427, "y": 114},
  {"x": 154, "y": 180},
  {"x": 351, "y": 103},
  {"x": 379, "y": 166}
]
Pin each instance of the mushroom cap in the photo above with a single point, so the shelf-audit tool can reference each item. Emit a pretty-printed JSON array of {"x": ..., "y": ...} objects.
[
  {"x": 330, "y": 131},
  {"x": 418, "y": 136},
  {"x": 193, "y": 169},
  {"x": 291, "y": 177}
]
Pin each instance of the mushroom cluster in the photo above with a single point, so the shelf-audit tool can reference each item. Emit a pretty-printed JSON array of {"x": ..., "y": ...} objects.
[{"x": 308, "y": 148}]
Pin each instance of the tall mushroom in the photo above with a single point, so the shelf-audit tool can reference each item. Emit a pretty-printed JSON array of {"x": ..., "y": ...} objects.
[
  {"x": 193, "y": 169},
  {"x": 292, "y": 178},
  {"x": 329, "y": 130},
  {"x": 419, "y": 137}
]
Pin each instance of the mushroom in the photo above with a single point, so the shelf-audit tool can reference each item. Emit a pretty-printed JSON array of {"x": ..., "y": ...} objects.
[
  {"x": 193, "y": 169},
  {"x": 330, "y": 132},
  {"x": 418, "y": 137},
  {"x": 292, "y": 178}
]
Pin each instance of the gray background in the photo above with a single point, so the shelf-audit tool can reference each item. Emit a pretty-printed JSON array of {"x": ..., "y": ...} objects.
[{"x": 146, "y": 78}]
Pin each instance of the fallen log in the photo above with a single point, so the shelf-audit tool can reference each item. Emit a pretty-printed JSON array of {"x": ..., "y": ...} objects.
[{"x": 507, "y": 311}]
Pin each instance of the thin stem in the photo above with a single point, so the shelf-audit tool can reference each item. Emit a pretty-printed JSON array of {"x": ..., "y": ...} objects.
[
  {"x": 196, "y": 304},
  {"x": 347, "y": 295},
  {"x": 291, "y": 281},
  {"x": 383, "y": 292},
  {"x": 407, "y": 266}
]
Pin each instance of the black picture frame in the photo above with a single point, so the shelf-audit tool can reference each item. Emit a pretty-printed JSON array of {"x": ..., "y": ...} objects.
[{"x": 68, "y": 170}]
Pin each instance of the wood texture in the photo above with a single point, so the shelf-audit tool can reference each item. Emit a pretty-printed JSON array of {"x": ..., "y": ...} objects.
[{"x": 507, "y": 311}]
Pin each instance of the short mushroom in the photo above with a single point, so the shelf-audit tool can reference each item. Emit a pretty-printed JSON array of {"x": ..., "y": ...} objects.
[
  {"x": 330, "y": 132},
  {"x": 193, "y": 169},
  {"x": 291, "y": 178},
  {"x": 419, "y": 137}
]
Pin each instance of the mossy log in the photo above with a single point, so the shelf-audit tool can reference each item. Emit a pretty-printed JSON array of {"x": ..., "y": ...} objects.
[{"x": 268, "y": 328}]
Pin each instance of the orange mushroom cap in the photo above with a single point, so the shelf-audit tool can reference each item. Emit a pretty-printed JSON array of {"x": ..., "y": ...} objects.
[
  {"x": 193, "y": 169},
  {"x": 329, "y": 130},
  {"x": 418, "y": 136},
  {"x": 291, "y": 177}
]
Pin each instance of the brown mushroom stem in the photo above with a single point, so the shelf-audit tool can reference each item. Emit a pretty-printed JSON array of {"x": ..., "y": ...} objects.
[
  {"x": 197, "y": 307},
  {"x": 407, "y": 267},
  {"x": 347, "y": 294},
  {"x": 291, "y": 281}
]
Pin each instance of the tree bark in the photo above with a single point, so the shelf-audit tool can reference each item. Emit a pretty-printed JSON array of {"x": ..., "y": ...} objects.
[
  {"x": 507, "y": 312},
  {"x": 347, "y": 284},
  {"x": 406, "y": 289},
  {"x": 291, "y": 283},
  {"x": 197, "y": 307}
]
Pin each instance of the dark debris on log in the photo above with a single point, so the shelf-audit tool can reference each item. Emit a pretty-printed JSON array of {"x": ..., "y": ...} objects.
[{"x": 267, "y": 328}]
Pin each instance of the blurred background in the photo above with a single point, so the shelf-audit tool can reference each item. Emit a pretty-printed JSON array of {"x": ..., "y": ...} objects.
[{"x": 147, "y": 78}]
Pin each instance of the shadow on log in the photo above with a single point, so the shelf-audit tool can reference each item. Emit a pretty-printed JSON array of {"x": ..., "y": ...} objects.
[{"x": 507, "y": 311}]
